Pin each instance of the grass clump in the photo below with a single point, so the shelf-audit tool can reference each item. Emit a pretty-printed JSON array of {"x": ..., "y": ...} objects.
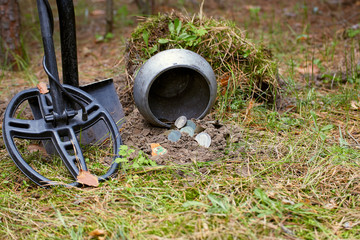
[{"x": 244, "y": 70}]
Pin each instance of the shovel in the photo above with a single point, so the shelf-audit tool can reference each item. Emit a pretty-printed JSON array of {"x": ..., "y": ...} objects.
[{"x": 104, "y": 91}]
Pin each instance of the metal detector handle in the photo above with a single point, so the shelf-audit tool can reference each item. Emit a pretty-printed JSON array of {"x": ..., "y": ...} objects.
[
  {"x": 46, "y": 25},
  {"x": 68, "y": 42}
]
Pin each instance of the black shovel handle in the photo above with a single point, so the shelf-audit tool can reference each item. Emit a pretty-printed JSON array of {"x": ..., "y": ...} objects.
[{"x": 68, "y": 42}]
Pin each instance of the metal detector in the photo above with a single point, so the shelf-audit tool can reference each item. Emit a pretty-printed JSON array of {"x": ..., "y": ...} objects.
[{"x": 67, "y": 109}]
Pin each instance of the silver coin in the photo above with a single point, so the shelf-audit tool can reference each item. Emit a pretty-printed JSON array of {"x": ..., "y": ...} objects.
[
  {"x": 188, "y": 130},
  {"x": 174, "y": 135},
  {"x": 191, "y": 124},
  {"x": 203, "y": 139},
  {"x": 180, "y": 122}
]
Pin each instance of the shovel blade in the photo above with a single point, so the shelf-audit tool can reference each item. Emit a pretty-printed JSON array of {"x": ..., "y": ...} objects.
[{"x": 105, "y": 93}]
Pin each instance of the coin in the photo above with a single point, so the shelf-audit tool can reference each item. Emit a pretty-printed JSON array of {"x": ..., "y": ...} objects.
[
  {"x": 174, "y": 135},
  {"x": 180, "y": 122},
  {"x": 203, "y": 139},
  {"x": 188, "y": 130},
  {"x": 191, "y": 124}
]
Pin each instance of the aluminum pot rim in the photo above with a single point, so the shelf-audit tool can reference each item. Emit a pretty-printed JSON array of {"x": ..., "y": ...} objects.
[
  {"x": 203, "y": 114},
  {"x": 206, "y": 72}
]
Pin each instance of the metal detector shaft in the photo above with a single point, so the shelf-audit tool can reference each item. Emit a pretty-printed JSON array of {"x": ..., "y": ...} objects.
[{"x": 47, "y": 27}]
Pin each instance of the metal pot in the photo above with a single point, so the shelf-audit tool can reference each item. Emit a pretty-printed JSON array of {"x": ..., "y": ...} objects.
[{"x": 174, "y": 83}]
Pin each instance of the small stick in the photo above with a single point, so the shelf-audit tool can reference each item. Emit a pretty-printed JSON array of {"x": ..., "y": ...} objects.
[{"x": 353, "y": 138}]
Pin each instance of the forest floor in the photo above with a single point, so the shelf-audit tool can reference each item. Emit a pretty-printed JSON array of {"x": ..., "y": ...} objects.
[{"x": 285, "y": 172}]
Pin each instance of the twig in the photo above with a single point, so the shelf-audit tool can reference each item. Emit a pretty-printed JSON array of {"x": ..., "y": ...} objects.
[{"x": 353, "y": 138}]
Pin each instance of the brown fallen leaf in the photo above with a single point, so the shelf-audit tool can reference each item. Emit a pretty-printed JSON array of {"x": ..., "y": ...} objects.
[
  {"x": 43, "y": 89},
  {"x": 308, "y": 69},
  {"x": 246, "y": 171},
  {"x": 97, "y": 12},
  {"x": 354, "y": 105},
  {"x": 97, "y": 233},
  {"x": 248, "y": 110},
  {"x": 86, "y": 178}
]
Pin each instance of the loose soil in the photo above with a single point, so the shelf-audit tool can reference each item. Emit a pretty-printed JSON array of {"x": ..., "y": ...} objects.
[{"x": 139, "y": 134}]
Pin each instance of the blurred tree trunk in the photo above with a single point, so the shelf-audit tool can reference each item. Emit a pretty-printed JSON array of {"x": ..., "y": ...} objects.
[
  {"x": 109, "y": 16},
  {"x": 10, "y": 46}
]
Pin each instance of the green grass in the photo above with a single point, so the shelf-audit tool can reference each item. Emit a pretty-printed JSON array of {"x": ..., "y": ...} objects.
[
  {"x": 301, "y": 186},
  {"x": 293, "y": 173}
]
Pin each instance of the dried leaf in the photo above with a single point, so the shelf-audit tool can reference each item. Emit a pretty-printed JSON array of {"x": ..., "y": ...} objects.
[
  {"x": 246, "y": 171},
  {"x": 248, "y": 109},
  {"x": 309, "y": 69},
  {"x": 86, "y": 178},
  {"x": 97, "y": 12},
  {"x": 97, "y": 233},
  {"x": 224, "y": 81},
  {"x": 87, "y": 51},
  {"x": 354, "y": 105},
  {"x": 43, "y": 89}
]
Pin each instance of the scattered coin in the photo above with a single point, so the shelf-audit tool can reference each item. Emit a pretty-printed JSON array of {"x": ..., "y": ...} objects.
[
  {"x": 180, "y": 122},
  {"x": 167, "y": 132},
  {"x": 191, "y": 124},
  {"x": 189, "y": 130},
  {"x": 174, "y": 135},
  {"x": 203, "y": 139}
]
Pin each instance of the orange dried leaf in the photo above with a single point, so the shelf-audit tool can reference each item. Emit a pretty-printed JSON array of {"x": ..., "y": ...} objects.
[
  {"x": 224, "y": 81},
  {"x": 309, "y": 69},
  {"x": 249, "y": 107},
  {"x": 97, "y": 12},
  {"x": 43, "y": 89},
  {"x": 86, "y": 178},
  {"x": 97, "y": 233},
  {"x": 354, "y": 105}
]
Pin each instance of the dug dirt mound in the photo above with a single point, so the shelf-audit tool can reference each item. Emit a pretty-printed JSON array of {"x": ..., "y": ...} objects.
[
  {"x": 244, "y": 69},
  {"x": 139, "y": 134}
]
